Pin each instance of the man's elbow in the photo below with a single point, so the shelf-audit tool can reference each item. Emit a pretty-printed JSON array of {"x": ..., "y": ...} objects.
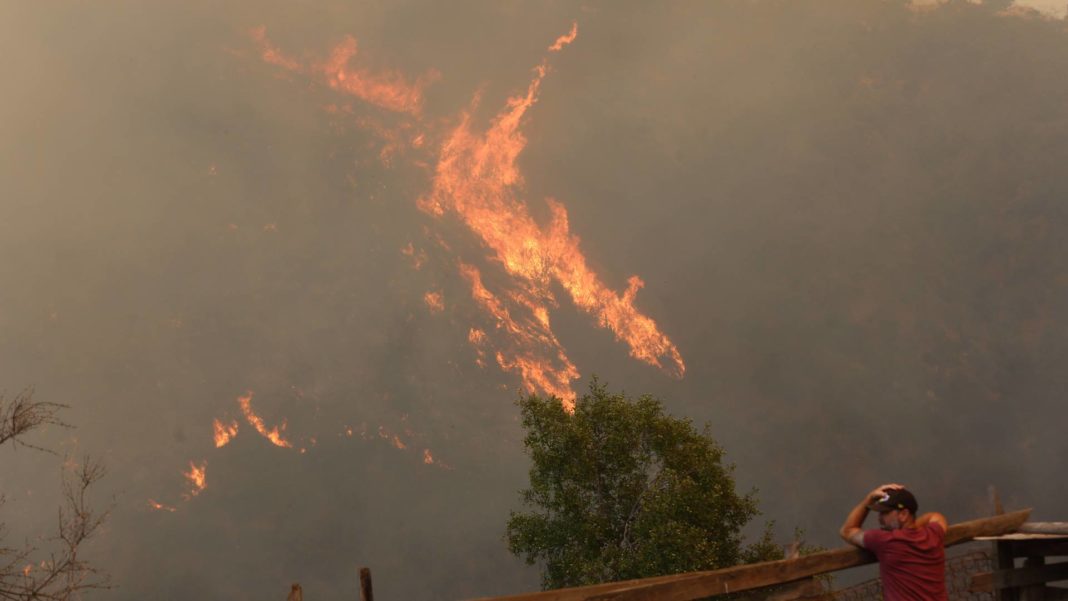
[{"x": 852, "y": 536}]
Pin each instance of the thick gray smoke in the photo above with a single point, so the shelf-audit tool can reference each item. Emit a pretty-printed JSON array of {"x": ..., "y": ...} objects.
[{"x": 849, "y": 217}]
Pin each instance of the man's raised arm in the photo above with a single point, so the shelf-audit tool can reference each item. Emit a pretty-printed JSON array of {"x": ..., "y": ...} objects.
[{"x": 852, "y": 531}]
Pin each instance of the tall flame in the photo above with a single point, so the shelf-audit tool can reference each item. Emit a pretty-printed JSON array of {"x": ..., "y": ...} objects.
[
  {"x": 477, "y": 179},
  {"x": 274, "y": 434}
]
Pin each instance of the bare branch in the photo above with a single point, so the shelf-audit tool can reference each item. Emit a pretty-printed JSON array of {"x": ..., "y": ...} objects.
[
  {"x": 23, "y": 414},
  {"x": 63, "y": 574}
]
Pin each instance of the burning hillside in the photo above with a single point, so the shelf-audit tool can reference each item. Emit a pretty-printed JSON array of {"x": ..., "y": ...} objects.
[{"x": 476, "y": 180}]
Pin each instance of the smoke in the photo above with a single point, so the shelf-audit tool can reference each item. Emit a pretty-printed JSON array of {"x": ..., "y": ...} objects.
[{"x": 846, "y": 214}]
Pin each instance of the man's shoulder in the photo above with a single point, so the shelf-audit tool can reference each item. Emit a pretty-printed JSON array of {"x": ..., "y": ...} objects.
[
  {"x": 928, "y": 532},
  {"x": 937, "y": 527}
]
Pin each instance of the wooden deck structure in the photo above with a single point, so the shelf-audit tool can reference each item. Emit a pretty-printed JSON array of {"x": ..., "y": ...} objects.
[{"x": 1034, "y": 543}]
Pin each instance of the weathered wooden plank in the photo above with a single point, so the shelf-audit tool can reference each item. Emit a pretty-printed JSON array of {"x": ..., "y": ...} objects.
[
  {"x": 1055, "y": 593},
  {"x": 1024, "y": 536},
  {"x": 1044, "y": 527},
  {"x": 1003, "y": 560},
  {"x": 1016, "y": 577},
  {"x": 802, "y": 589},
  {"x": 741, "y": 578},
  {"x": 982, "y": 582},
  {"x": 1037, "y": 591},
  {"x": 695, "y": 585},
  {"x": 1032, "y": 547},
  {"x": 992, "y": 526}
]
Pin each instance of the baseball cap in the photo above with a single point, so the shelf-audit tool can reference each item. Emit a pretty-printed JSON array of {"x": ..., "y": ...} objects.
[{"x": 894, "y": 499}]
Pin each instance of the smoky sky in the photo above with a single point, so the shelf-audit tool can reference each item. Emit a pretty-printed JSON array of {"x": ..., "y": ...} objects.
[{"x": 848, "y": 214}]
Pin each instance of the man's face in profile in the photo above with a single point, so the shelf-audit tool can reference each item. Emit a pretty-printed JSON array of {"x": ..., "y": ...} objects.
[{"x": 891, "y": 520}]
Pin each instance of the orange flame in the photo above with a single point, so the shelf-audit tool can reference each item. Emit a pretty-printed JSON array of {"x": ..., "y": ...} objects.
[
  {"x": 565, "y": 39},
  {"x": 161, "y": 507},
  {"x": 197, "y": 477},
  {"x": 418, "y": 258},
  {"x": 389, "y": 90},
  {"x": 274, "y": 434},
  {"x": 269, "y": 53},
  {"x": 224, "y": 432},
  {"x": 477, "y": 338},
  {"x": 532, "y": 339},
  {"x": 434, "y": 302},
  {"x": 392, "y": 438},
  {"x": 478, "y": 179}
]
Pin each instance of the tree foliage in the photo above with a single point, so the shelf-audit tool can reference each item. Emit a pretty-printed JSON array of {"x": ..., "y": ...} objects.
[{"x": 619, "y": 490}]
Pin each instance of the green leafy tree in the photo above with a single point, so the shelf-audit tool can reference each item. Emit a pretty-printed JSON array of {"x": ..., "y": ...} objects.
[{"x": 620, "y": 490}]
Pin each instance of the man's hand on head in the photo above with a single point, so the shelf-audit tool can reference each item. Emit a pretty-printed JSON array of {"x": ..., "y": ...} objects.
[
  {"x": 852, "y": 530},
  {"x": 882, "y": 489}
]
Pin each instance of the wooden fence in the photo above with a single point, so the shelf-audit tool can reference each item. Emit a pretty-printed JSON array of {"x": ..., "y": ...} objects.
[
  {"x": 795, "y": 578},
  {"x": 796, "y": 573}
]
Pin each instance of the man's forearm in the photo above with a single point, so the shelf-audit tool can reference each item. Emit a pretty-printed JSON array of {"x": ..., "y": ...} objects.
[
  {"x": 851, "y": 530},
  {"x": 855, "y": 519}
]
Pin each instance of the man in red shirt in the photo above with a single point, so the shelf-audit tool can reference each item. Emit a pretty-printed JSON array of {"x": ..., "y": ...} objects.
[{"x": 912, "y": 560}]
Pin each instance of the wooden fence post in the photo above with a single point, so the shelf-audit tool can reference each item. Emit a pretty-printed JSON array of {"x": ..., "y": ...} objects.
[
  {"x": 366, "y": 593},
  {"x": 995, "y": 500}
]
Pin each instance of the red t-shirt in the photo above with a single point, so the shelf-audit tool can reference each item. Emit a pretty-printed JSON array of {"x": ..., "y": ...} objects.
[{"x": 912, "y": 562}]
